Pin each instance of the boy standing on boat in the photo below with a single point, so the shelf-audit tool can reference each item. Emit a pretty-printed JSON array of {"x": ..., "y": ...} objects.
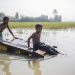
[
  {"x": 37, "y": 45},
  {"x": 3, "y": 26}
]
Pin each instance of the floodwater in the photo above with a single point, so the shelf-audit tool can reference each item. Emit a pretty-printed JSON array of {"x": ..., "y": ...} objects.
[{"x": 59, "y": 65}]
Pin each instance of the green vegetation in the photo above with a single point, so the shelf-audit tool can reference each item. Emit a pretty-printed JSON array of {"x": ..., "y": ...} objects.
[{"x": 46, "y": 25}]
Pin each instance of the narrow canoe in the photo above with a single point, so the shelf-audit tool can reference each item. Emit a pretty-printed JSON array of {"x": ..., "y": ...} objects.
[{"x": 18, "y": 47}]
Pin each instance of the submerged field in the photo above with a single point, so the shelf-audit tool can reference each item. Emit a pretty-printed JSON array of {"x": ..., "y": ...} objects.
[
  {"x": 11, "y": 64},
  {"x": 46, "y": 25}
]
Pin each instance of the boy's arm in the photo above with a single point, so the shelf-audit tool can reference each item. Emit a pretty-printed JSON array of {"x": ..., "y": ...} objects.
[
  {"x": 1, "y": 27},
  {"x": 10, "y": 31},
  {"x": 28, "y": 42}
]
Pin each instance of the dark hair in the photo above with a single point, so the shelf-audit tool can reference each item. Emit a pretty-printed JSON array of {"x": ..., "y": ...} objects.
[
  {"x": 38, "y": 25},
  {"x": 5, "y": 18}
]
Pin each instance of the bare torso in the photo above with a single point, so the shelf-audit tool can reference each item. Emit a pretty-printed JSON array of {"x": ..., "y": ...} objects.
[
  {"x": 2, "y": 27},
  {"x": 36, "y": 38}
]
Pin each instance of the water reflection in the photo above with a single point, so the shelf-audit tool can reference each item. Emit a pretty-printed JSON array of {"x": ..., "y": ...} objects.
[
  {"x": 19, "y": 31},
  {"x": 5, "y": 65},
  {"x": 35, "y": 66},
  {"x": 61, "y": 65}
]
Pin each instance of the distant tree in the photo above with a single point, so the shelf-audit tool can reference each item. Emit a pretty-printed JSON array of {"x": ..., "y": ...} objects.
[
  {"x": 21, "y": 16},
  {"x": 43, "y": 18},
  {"x": 57, "y": 17},
  {"x": 55, "y": 12},
  {"x": 17, "y": 15},
  {"x": 2, "y": 14}
]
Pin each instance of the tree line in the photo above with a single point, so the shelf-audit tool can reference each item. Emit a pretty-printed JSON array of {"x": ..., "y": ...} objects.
[{"x": 42, "y": 18}]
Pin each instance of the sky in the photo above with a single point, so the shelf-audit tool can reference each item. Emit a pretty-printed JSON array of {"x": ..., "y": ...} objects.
[{"x": 35, "y": 8}]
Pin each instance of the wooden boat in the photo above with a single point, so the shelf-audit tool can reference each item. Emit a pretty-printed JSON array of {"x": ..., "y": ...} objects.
[{"x": 18, "y": 47}]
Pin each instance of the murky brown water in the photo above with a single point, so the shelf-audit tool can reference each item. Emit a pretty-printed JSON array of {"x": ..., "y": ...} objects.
[{"x": 59, "y": 65}]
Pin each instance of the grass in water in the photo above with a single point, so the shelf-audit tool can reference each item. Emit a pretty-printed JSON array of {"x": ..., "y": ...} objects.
[{"x": 46, "y": 25}]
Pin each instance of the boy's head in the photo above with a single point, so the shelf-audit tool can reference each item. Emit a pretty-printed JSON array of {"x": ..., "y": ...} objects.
[
  {"x": 38, "y": 28},
  {"x": 5, "y": 19}
]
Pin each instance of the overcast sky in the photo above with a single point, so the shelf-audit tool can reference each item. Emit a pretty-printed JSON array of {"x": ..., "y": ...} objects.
[{"x": 37, "y": 7}]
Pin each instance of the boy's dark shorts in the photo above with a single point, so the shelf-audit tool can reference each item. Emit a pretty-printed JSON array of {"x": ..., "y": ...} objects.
[{"x": 44, "y": 47}]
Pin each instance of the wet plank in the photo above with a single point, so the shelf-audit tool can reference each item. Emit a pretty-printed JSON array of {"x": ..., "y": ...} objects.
[{"x": 19, "y": 47}]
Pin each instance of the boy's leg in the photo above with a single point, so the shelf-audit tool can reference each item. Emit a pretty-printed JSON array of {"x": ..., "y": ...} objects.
[
  {"x": 48, "y": 49},
  {"x": 43, "y": 47},
  {"x": 35, "y": 47},
  {"x": 54, "y": 50}
]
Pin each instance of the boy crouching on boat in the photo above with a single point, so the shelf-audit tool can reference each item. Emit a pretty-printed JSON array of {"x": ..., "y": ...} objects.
[
  {"x": 3, "y": 26},
  {"x": 37, "y": 45}
]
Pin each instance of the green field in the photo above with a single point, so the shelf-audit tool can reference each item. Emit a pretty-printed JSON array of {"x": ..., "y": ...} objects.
[{"x": 46, "y": 25}]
